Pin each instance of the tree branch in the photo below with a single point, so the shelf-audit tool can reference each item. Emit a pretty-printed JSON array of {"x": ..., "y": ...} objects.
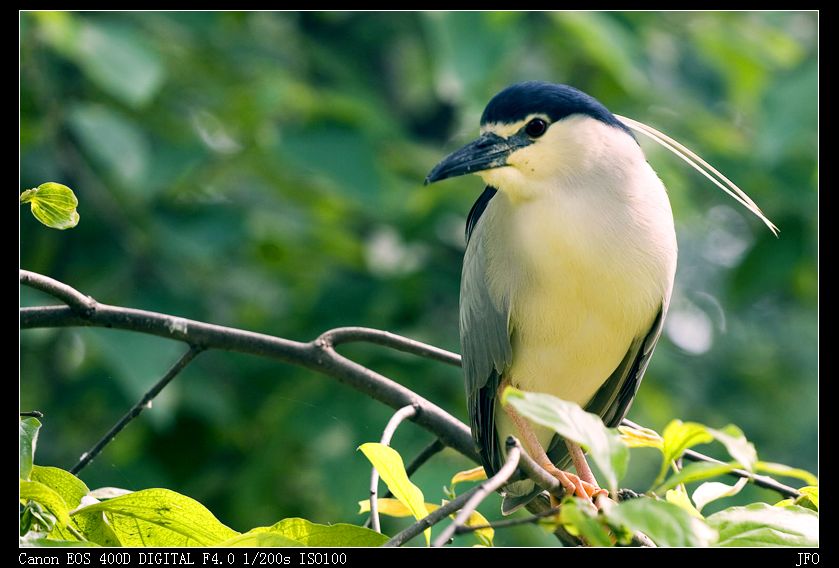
[
  {"x": 491, "y": 485},
  {"x": 58, "y": 290},
  {"x": 318, "y": 355},
  {"x": 432, "y": 519},
  {"x": 142, "y": 404},
  {"x": 760, "y": 480},
  {"x": 506, "y": 523},
  {"x": 387, "y": 435}
]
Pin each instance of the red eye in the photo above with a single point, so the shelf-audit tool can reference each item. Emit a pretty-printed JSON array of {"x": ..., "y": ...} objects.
[{"x": 536, "y": 127}]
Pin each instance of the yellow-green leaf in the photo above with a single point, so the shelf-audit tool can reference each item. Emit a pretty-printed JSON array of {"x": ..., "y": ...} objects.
[
  {"x": 27, "y": 440},
  {"x": 760, "y": 524},
  {"x": 53, "y": 204},
  {"x": 737, "y": 445},
  {"x": 677, "y": 437},
  {"x": 679, "y": 497},
  {"x": 474, "y": 474},
  {"x": 391, "y": 468},
  {"x": 47, "y": 497},
  {"x": 308, "y": 533},
  {"x": 70, "y": 487},
  {"x": 391, "y": 507},
  {"x": 395, "y": 508},
  {"x": 809, "y": 493},
  {"x": 694, "y": 472},
  {"x": 260, "y": 537},
  {"x": 640, "y": 437},
  {"x": 581, "y": 519},
  {"x": 160, "y": 517},
  {"x": 786, "y": 471}
]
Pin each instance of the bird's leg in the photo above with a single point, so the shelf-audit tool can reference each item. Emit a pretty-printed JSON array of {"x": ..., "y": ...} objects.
[
  {"x": 572, "y": 483},
  {"x": 580, "y": 463}
]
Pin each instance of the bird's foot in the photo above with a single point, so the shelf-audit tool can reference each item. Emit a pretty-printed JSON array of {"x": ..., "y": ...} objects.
[{"x": 573, "y": 485}]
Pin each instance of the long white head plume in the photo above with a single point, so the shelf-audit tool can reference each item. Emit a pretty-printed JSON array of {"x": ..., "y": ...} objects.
[{"x": 701, "y": 166}]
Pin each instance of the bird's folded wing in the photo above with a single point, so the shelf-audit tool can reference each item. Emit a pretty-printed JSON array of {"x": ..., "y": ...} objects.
[{"x": 485, "y": 338}]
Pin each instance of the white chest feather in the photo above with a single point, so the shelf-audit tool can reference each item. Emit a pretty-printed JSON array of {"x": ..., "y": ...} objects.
[{"x": 586, "y": 268}]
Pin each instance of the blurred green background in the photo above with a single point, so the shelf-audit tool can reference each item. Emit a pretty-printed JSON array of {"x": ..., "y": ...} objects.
[{"x": 264, "y": 171}]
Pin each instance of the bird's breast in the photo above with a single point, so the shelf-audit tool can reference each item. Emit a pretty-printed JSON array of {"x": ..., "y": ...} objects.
[{"x": 583, "y": 278}]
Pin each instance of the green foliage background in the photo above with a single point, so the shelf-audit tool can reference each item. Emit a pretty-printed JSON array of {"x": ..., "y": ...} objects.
[{"x": 264, "y": 170}]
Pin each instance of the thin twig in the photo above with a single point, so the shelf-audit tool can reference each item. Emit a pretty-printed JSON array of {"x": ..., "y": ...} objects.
[
  {"x": 33, "y": 414},
  {"x": 135, "y": 411},
  {"x": 508, "y": 522},
  {"x": 426, "y": 454},
  {"x": 489, "y": 486},
  {"x": 432, "y": 519},
  {"x": 392, "y": 424},
  {"x": 540, "y": 475},
  {"x": 344, "y": 335},
  {"x": 60, "y": 291},
  {"x": 760, "y": 480}
]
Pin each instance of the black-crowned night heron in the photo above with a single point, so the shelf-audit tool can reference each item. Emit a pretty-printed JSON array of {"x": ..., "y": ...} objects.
[{"x": 569, "y": 266}]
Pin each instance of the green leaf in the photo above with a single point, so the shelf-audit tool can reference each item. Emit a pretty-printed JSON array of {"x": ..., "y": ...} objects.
[
  {"x": 665, "y": 523},
  {"x": 27, "y": 441},
  {"x": 388, "y": 463},
  {"x": 160, "y": 517},
  {"x": 604, "y": 445},
  {"x": 580, "y": 519},
  {"x": 34, "y": 539},
  {"x": 712, "y": 490},
  {"x": 53, "y": 204},
  {"x": 261, "y": 537},
  {"x": 677, "y": 437},
  {"x": 47, "y": 497},
  {"x": 70, "y": 487},
  {"x": 784, "y": 470},
  {"x": 95, "y": 527},
  {"x": 695, "y": 472},
  {"x": 679, "y": 497},
  {"x": 474, "y": 474},
  {"x": 737, "y": 445},
  {"x": 340, "y": 534},
  {"x": 760, "y": 524},
  {"x": 119, "y": 62},
  {"x": 809, "y": 493},
  {"x": 641, "y": 437}
]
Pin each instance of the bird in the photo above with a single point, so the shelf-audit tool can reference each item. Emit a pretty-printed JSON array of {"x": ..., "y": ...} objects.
[{"x": 567, "y": 274}]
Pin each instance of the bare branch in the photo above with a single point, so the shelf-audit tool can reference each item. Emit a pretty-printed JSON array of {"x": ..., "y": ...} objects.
[
  {"x": 58, "y": 290},
  {"x": 426, "y": 454},
  {"x": 390, "y": 429},
  {"x": 432, "y": 519},
  {"x": 343, "y": 335},
  {"x": 489, "y": 486},
  {"x": 760, "y": 480},
  {"x": 318, "y": 355},
  {"x": 532, "y": 519},
  {"x": 32, "y": 414},
  {"x": 143, "y": 403}
]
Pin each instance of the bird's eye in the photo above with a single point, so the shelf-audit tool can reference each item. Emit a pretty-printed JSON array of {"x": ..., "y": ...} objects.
[{"x": 536, "y": 127}]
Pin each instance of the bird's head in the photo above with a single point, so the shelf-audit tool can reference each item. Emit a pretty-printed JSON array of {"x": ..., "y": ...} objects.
[{"x": 533, "y": 134}]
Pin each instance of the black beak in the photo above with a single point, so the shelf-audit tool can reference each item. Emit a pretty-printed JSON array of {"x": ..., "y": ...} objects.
[{"x": 487, "y": 152}]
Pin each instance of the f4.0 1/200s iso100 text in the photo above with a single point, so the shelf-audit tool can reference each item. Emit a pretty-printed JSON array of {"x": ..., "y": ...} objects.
[{"x": 221, "y": 558}]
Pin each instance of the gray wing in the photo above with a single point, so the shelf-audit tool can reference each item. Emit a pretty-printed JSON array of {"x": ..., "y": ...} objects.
[{"x": 484, "y": 338}]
